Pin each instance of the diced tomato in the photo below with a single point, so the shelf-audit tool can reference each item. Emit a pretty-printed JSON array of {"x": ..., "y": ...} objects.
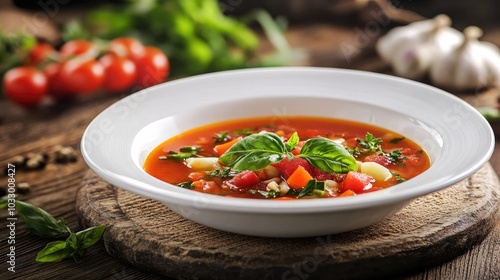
[
  {"x": 382, "y": 160},
  {"x": 244, "y": 179},
  {"x": 297, "y": 149},
  {"x": 287, "y": 167},
  {"x": 261, "y": 174},
  {"x": 322, "y": 176},
  {"x": 310, "y": 133},
  {"x": 357, "y": 182},
  {"x": 207, "y": 187}
]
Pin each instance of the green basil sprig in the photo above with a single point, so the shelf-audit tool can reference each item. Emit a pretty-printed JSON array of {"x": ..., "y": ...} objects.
[
  {"x": 257, "y": 151},
  {"x": 328, "y": 156},
  {"x": 39, "y": 222},
  {"x": 75, "y": 245}
]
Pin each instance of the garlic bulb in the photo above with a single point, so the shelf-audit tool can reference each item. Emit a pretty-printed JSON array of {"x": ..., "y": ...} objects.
[
  {"x": 471, "y": 65},
  {"x": 412, "y": 49}
]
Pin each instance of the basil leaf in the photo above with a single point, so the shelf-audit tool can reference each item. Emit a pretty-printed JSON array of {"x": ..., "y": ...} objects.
[
  {"x": 313, "y": 187},
  {"x": 72, "y": 241},
  {"x": 90, "y": 236},
  {"x": 292, "y": 142},
  {"x": 328, "y": 156},
  {"x": 55, "y": 251},
  {"x": 308, "y": 189},
  {"x": 255, "y": 152},
  {"x": 78, "y": 254},
  {"x": 40, "y": 222},
  {"x": 4, "y": 201}
]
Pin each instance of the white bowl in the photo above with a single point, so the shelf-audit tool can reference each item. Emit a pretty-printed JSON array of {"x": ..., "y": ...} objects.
[{"x": 457, "y": 138}]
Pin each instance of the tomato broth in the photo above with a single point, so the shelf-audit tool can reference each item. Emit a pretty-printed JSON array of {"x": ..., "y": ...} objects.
[{"x": 293, "y": 157}]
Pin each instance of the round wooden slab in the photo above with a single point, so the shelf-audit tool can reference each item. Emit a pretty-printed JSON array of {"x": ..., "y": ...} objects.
[{"x": 429, "y": 231}]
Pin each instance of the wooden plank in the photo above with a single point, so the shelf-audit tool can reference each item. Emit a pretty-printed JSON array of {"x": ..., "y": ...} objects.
[{"x": 428, "y": 231}]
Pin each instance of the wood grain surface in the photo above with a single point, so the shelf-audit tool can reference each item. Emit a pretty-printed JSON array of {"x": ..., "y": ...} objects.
[
  {"x": 54, "y": 188},
  {"x": 429, "y": 231}
]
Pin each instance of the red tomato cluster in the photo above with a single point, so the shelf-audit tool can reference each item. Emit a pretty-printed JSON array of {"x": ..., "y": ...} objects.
[{"x": 80, "y": 67}]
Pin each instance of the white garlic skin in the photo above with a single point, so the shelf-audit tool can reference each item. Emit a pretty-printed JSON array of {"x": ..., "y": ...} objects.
[
  {"x": 473, "y": 65},
  {"x": 412, "y": 49}
]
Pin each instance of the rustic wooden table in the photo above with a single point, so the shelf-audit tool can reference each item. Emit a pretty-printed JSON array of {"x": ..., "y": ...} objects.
[{"x": 54, "y": 188}]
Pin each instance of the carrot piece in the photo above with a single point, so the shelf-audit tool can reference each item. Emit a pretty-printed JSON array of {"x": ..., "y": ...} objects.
[
  {"x": 347, "y": 193},
  {"x": 222, "y": 148},
  {"x": 299, "y": 178}
]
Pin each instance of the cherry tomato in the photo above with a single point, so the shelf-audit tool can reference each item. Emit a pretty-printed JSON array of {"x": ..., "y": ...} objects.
[
  {"x": 120, "y": 73},
  {"x": 25, "y": 85},
  {"x": 82, "y": 76},
  {"x": 152, "y": 68},
  {"x": 40, "y": 53},
  {"x": 78, "y": 47},
  {"x": 127, "y": 47},
  {"x": 56, "y": 88}
]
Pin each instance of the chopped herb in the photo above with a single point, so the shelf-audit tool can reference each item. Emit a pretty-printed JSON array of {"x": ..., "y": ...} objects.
[
  {"x": 221, "y": 137},
  {"x": 370, "y": 143},
  {"x": 269, "y": 194},
  {"x": 185, "y": 152},
  {"x": 398, "y": 177},
  {"x": 420, "y": 152},
  {"x": 395, "y": 156},
  {"x": 226, "y": 173},
  {"x": 312, "y": 187},
  {"x": 177, "y": 156},
  {"x": 186, "y": 185},
  {"x": 356, "y": 152},
  {"x": 396, "y": 140},
  {"x": 293, "y": 191},
  {"x": 190, "y": 149}
]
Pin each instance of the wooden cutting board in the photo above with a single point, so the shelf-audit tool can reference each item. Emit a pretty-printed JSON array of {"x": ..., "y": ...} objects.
[{"x": 430, "y": 230}]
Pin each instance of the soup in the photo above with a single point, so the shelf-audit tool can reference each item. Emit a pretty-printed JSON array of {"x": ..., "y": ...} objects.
[{"x": 287, "y": 158}]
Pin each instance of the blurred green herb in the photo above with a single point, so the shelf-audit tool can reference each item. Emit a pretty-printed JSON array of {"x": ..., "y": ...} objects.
[
  {"x": 196, "y": 35},
  {"x": 13, "y": 49},
  {"x": 226, "y": 173},
  {"x": 490, "y": 113},
  {"x": 184, "y": 153}
]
